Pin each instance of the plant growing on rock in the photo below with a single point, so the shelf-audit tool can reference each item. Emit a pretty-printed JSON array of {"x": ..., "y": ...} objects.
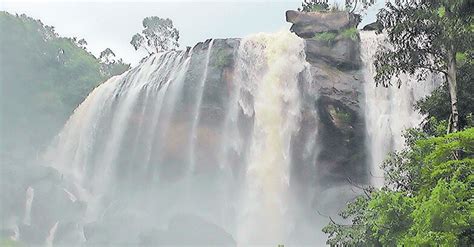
[
  {"x": 328, "y": 37},
  {"x": 350, "y": 33},
  {"x": 158, "y": 35}
]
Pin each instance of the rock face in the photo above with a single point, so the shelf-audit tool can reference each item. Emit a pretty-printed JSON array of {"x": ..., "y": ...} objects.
[
  {"x": 342, "y": 52},
  {"x": 41, "y": 200},
  {"x": 307, "y": 24},
  {"x": 332, "y": 49}
]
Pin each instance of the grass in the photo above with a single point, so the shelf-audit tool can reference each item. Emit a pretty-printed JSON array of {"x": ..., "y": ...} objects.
[
  {"x": 325, "y": 36},
  {"x": 350, "y": 33}
]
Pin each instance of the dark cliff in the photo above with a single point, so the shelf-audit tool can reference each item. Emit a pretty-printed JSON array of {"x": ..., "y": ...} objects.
[{"x": 332, "y": 49}]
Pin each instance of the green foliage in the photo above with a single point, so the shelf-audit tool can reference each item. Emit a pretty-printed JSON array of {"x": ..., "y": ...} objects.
[
  {"x": 314, "y": 5},
  {"x": 158, "y": 35},
  {"x": 343, "y": 116},
  {"x": 10, "y": 243},
  {"x": 222, "y": 59},
  {"x": 350, "y": 33},
  {"x": 329, "y": 37},
  {"x": 353, "y": 6},
  {"x": 325, "y": 36},
  {"x": 426, "y": 200},
  {"x": 435, "y": 106},
  {"x": 109, "y": 65},
  {"x": 43, "y": 78},
  {"x": 440, "y": 24},
  {"x": 358, "y": 6},
  {"x": 426, "y": 37}
]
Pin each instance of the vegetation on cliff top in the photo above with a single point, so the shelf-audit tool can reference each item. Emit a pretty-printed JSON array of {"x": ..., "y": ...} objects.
[{"x": 353, "y": 6}]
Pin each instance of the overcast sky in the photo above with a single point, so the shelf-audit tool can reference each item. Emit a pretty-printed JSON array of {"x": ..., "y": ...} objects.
[{"x": 109, "y": 23}]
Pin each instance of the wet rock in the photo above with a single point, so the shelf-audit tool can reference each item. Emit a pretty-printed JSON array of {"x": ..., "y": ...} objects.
[
  {"x": 332, "y": 50},
  {"x": 342, "y": 154},
  {"x": 374, "y": 26},
  {"x": 342, "y": 52},
  {"x": 190, "y": 230}
]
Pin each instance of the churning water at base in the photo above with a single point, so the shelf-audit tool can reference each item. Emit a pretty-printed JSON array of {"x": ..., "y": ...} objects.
[{"x": 185, "y": 143}]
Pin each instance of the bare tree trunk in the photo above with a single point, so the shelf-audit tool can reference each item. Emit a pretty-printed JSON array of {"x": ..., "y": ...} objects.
[{"x": 452, "y": 84}]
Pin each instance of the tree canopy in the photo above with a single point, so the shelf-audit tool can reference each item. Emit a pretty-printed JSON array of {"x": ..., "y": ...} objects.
[
  {"x": 353, "y": 6},
  {"x": 429, "y": 36},
  {"x": 426, "y": 200},
  {"x": 158, "y": 35}
]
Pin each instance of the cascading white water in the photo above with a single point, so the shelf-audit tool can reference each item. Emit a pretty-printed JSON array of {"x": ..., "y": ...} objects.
[
  {"x": 30, "y": 193},
  {"x": 388, "y": 111},
  {"x": 272, "y": 64},
  {"x": 51, "y": 235},
  {"x": 153, "y": 144},
  {"x": 190, "y": 143}
]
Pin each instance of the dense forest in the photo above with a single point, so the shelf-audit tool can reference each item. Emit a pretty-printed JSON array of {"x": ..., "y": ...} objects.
[{"x": 43, "y": 79}]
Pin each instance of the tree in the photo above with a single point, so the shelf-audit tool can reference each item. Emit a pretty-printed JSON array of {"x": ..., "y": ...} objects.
[
  {"x": 109, "y": 66},
  {"x": 82, "y": 43},
  {"x": 107, "y": 56},
  {"x": 426, "y": 199},
  {"x": 436, "y": 108},
  {"x": 158, "y": 35},
  {"x": 354, "y": 6},
  {"x": 428, "y": 36},
  {"x": 314, "y": 5},
  {"x": 323, "y": 5}
]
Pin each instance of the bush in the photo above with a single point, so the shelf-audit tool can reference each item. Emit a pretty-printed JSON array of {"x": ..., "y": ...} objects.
[{"x": 426, "y": 200}]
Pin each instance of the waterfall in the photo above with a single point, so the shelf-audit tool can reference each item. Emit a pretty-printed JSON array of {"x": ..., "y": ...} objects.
[
  {"x": 271, "y": 64},
  {"x": 388, "y": 111},
  {"x": 189, "y": 137},
  {"x": 219, "y": 145},
  {"x": 51, "y": 235},
  {"x": 30, "y": 193}
]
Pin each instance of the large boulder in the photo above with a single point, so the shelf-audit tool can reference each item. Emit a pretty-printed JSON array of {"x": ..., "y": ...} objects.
[
  {"x": 374, "y": 26},
  {"x": 307, "y": 24}
]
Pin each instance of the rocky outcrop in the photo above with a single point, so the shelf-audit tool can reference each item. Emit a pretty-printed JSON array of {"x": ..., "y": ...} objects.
[
  {"x": 374, "y": 26},
  {"x": 307, "y": 24},
  {"x": 330, "y": 37},
  {"x": 342, "y": 52},
  {"x": 332, "y": 49}
]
